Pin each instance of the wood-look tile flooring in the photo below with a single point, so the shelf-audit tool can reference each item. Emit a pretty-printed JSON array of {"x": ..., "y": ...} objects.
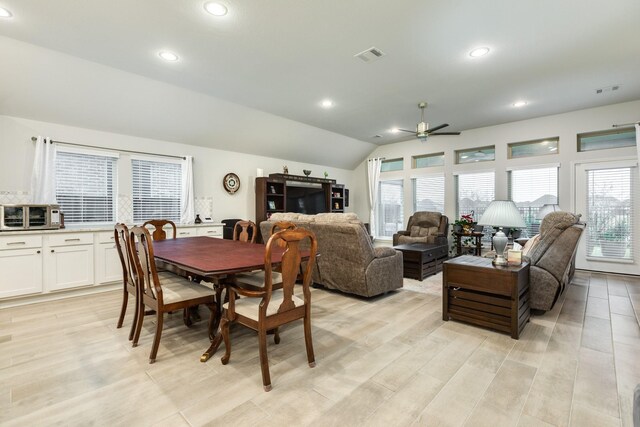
[{"x": 389, "y": 361}]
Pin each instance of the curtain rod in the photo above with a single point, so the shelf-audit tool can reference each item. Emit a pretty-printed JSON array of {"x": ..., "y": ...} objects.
[
  {"x": 33, "y": 138},
  {"x": 626, "y": 124}
]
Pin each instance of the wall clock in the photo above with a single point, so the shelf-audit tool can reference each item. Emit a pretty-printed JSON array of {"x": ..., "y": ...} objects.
[{"x": 231, "y": 183}]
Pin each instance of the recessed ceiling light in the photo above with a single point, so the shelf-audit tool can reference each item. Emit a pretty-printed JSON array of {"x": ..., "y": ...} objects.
[
  {"x": 168, "y": 56},
  {"x": 4, "y": 13},
  {"x": 216, "y": 9},
  {"x": 479, "y": 51},
  {"x": 394, "y": 130},
  {"x": 519, "y": 104},
  {"x": 327, "y": 103}
]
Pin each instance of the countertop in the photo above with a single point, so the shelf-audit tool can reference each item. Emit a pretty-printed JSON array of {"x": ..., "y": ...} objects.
[{"x": 95, "y": 228}]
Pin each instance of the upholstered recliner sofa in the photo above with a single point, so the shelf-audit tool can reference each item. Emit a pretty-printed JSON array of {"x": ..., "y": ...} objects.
[
  {"x": 424, "y": 227},
  {"x": 551, "y": 255},
  {"x": 347, "y": 260}
]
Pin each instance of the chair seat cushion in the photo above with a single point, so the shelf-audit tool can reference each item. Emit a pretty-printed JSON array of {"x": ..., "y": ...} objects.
[
  {"x": 176, "y": 289},
  {"x": 256, "y": 278},
  {"x": 248, "y": 307}
]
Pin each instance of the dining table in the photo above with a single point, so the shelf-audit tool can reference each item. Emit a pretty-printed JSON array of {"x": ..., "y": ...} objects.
[{"x": 218, "y": 261}]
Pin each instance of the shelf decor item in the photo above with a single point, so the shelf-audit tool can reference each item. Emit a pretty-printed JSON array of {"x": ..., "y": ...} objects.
[
  {"x": 272, "y": 204},
  {"x": 465, "y": 224},
  {"x": 307, "y": 172},
  {"x": 501, "y": 213}
]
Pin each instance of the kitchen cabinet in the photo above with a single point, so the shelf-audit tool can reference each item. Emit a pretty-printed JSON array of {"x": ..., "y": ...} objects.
[
  {"x": 210, "y": 231},
  {"x": 108, "y": 267},
  {"x": 21, "y": 272},
  {"x": 69, "y": 261}
]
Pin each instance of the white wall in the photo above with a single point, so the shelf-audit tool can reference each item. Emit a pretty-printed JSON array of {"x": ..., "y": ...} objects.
[
  {"x": 566, "y": 126},
  {"x": 210, "y": 165}
]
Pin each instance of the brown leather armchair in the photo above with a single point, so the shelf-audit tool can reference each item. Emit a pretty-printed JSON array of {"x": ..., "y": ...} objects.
[
  {"x": 551, "y": 255},
  {"x": 424, "y": 227}
]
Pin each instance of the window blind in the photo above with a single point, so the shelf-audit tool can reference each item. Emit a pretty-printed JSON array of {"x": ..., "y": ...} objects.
[
  {"x": 530, "y": 189},
  {"x": 390, "y": 208},
  {"x": 428, "y": 193},
  {"x": 610, "y": 200},
  {"x": 474, "y": 192},
  {"x": 156, "y": 190},
  {"x": 85, "y": 187}
]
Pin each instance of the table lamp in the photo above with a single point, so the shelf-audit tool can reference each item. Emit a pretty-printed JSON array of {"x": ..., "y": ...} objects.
[
  {"x": 547, "y": 209},
  {"x": 501, "y": 213}
]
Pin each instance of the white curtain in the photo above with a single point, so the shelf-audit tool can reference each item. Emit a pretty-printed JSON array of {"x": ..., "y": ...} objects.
[
  {"x": 187, "y": 208},
  {"x": 43, "y": 176},
  {"x": 638, "y": 144},
  {"x": 373, "y": 175}
]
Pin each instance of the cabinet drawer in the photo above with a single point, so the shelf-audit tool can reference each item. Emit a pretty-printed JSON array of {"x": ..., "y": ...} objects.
[
  {"x": 185, "y": 232},
  {"x": 209, "y": 231},
  {"x": 20, "y": 242},
  {"x": 106, "y": 237},
  {"x": 487, "y": 280},
  {"x": 68, "y": 239}
]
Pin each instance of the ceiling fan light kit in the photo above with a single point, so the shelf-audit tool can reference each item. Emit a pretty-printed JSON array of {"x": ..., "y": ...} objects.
[{"x": 422, "y": 131}]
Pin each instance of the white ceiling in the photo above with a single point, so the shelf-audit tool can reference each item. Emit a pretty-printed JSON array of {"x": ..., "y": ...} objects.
[{"x": 284, "y": 56}]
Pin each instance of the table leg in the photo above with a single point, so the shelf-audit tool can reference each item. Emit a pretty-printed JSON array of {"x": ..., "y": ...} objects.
[{"x": 217, "y": 338}]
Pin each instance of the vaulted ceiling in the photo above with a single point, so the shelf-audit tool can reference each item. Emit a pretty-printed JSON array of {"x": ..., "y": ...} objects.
[{"x": 283, "y": 57}]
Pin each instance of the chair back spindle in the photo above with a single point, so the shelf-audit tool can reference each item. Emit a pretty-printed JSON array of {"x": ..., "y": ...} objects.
[{"x": 147, "y": 274}]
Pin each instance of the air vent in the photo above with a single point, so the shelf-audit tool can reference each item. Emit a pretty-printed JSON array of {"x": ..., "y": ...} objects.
[
  {"x": 607, "y": 89},
  {"x": 370, "y": 55}
]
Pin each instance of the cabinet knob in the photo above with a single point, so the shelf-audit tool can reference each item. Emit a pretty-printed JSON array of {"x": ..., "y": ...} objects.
[
  {"x": 52, "y": 251},
  {"x": 38, "y": 252}
]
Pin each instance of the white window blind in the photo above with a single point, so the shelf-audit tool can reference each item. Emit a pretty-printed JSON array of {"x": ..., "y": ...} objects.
[
  {"x": 530, "y": 189},
  {"x": 610, "y": 199},
  {"x": 390, "y": 211},
  {"x": 474, "y": 192},
  {"x": 156, "y": 190},
  {"x": 85, "y": 187},
  {"x": 428, "y": 193}
]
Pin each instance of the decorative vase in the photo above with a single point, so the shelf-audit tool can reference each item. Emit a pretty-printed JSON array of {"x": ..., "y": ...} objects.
[
  {"x": 467, "y": 228},
  {"x": 198, "y": 220}
]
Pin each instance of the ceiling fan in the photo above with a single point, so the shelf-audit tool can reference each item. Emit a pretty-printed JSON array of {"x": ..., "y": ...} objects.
[{"x": 422, "y": 129}]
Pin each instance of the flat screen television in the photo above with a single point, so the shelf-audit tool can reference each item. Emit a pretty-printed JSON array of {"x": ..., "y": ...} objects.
[{"x": 306, "y": 198}]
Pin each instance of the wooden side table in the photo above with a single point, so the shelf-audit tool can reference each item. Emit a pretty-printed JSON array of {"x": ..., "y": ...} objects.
[
  {"x": 478, "y": 242},
  {"x": 478, "y": 292}
]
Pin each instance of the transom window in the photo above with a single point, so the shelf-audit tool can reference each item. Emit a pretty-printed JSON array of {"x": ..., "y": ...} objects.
[
  {"x": 539, "y": 147},
  {"x": 613, "y": 138},
  {"x": 428, "y": 160},
  {"x": 392, "y": 165},
  {"x": 473, "y": 155},
  {"x": 156, "y": 190},
  {"x": 86, "y": 187}
]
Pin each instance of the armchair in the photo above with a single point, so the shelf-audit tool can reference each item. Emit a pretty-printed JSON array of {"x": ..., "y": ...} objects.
[
  {"x": 551, "y": 256},
  {"x": 424, "y": 227}
]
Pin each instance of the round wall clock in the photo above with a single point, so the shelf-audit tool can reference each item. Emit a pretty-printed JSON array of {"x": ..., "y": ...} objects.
[{"x": 231, "y": 183}]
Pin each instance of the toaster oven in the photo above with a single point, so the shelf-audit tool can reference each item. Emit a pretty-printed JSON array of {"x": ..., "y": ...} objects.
[{"x": 29, "y": 217}]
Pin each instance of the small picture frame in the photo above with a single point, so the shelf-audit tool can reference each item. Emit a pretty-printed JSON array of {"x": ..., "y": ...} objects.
[
  {"x": 272, "y": 189},
  {"x": 272, "y": 204}
]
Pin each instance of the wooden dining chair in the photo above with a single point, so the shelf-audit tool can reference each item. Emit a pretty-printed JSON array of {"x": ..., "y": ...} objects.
[
  {"x": 158, "y": 232},
  {"x": 243, "y": 229},
  {"x": 163, "y": 293},
  {"x": 267, "y": 309},
  {"x": 283, "y": 225},
  {"x": 121, "y": 236}
]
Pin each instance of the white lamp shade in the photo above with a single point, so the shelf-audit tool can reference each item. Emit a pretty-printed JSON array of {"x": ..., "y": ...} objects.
[
  {"x": 502, "y": 213},
  {"x": 547, "y": 209}
]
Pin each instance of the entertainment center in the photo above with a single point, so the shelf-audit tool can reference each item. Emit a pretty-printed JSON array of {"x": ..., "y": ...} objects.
[{"x": 295, "y": 193}]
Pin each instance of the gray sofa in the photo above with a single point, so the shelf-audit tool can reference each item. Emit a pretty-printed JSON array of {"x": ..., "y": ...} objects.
[
  {"x": 424, "y": 227},
  {"x": 551, "y": 255},
  {"x": 347, "y": 259}
]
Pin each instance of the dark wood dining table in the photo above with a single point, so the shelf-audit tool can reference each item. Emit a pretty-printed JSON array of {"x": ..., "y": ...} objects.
[{"x": 215, "y": 259}]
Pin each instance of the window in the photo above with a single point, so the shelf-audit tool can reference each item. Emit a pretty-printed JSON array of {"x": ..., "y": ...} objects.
[
  {"x": 474, "y": 192},
  {"x": 482, "y": 154},
  {"x": 392, "y": 165},
  {"x": 156, "y": 190},
  {"x": 610, "y": 213},
  {"x": 390, "y": 213},
  {"x": 428, "y": 160},
  {"x": 85, "y": 187},
  {"x": 615, "y": 138},
  {"x": 428, "y": 193},
  {"x": 539, "y": 147},
  {"x": 530, "y": 189}
]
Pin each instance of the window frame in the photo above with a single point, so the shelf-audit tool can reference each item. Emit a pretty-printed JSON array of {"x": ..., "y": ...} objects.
[
  {"x": 614, "y": 131},
  {"x": 379, "y": 204},
  {"x": 177, "y": 162},
  {"x": 390, "y": 161},
  {"x": 458, "y": 153},
  {"x": 414, "y": 160},
  {"x": 427, "y": 176}
]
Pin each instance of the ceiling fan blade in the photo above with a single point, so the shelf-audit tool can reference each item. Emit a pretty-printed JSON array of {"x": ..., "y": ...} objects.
[
  {"x": 404, "y": 130},
  {"x": 437, "y": 128},
  {"x": 444, "y": 133}
]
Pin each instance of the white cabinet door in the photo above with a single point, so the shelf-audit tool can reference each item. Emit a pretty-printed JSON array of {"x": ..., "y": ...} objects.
[
  {"x": 21, "y": 272},
  {"x": 68, "y": 267},
  {"x": 108, "y": 266}
]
